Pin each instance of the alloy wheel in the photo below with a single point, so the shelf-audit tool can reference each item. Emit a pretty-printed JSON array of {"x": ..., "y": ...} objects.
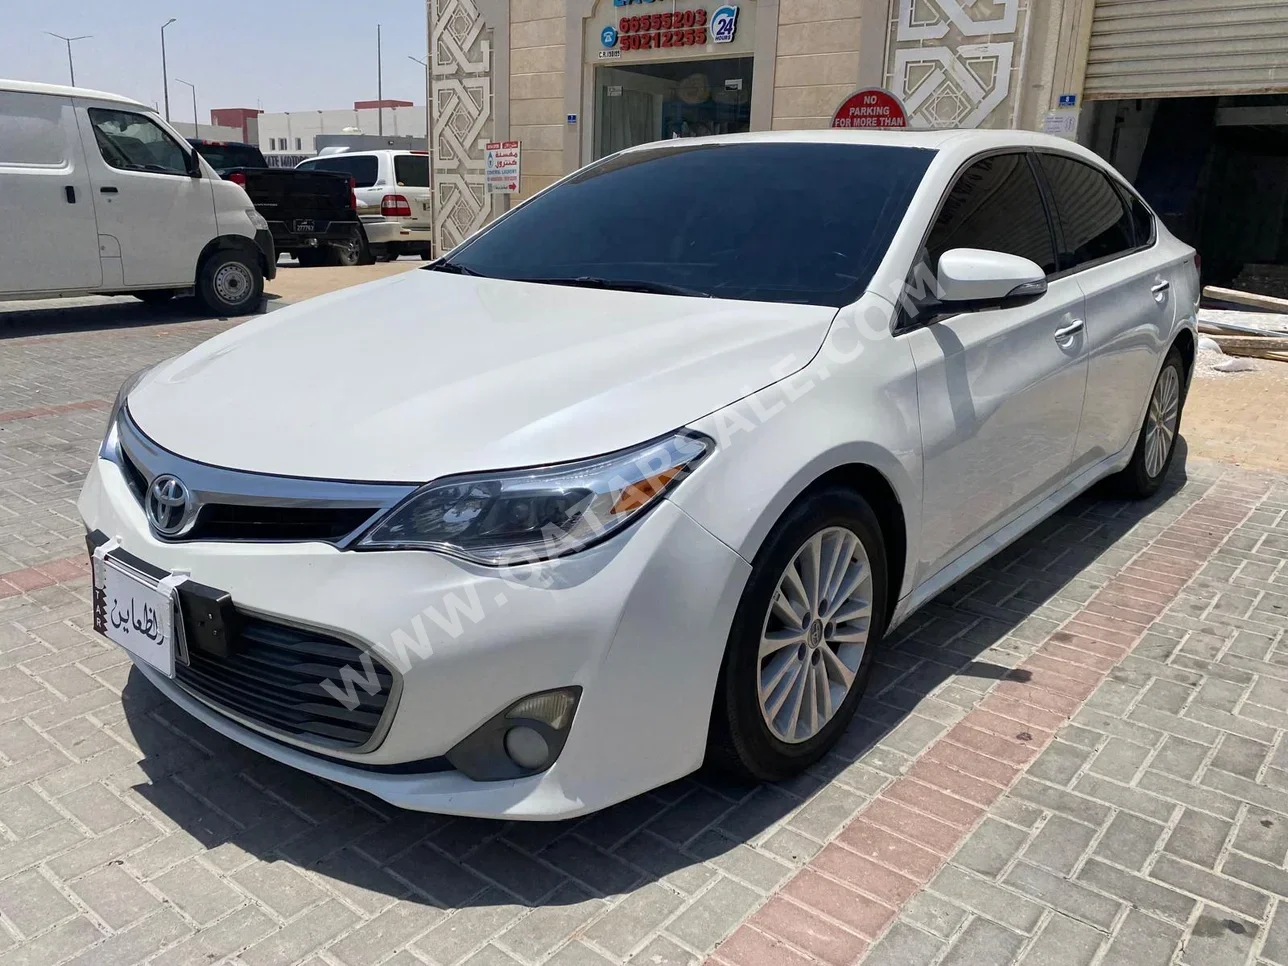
[
  {"x": 815, "y": 634},
  {"x": 1160, "y": 426}
]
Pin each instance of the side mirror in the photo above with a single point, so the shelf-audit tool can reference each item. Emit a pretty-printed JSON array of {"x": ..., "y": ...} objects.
[
  {"x": 194, "y": 166},
  {"x": 970, "y": 279}
]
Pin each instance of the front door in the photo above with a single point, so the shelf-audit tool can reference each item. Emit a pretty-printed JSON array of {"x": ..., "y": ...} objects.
[
  {"x": 1000, "y": 394},
  {"x": 48, "y": 242},
  {"x": 144, "y": 197}
]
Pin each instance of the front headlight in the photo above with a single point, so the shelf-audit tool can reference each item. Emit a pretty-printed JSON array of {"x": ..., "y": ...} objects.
[
  {"x": 257, "y": 221},
  {"x": 524, "y": 516},
  {"x": 110, "y": 447}
]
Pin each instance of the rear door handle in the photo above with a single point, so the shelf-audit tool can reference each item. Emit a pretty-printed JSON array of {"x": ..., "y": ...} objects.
[
  {"x": 108, "y": 189},
  {"x": 1161, "y": 289},
  {"x": 70, "y": 191},
  {"x": 1064, "y": 337}
]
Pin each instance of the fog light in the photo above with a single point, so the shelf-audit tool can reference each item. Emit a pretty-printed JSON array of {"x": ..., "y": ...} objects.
[
  {"x": 524, "y": 739},
  {"x": 527, "y": 748}
]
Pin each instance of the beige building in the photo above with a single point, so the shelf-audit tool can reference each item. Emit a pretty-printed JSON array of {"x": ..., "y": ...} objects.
[{"x": 1173, "y": 91}]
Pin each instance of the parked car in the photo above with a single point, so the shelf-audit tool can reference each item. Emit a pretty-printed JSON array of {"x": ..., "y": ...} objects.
[
  {"x": 573, "y": 509},
  {"x": 313, "y": 215},
  {"x": 391, "y": 187},
  {"x": 98, "y": 195}
]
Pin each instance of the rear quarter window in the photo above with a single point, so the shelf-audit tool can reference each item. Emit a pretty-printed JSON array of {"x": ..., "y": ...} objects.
[
  {"x": 31, "y": 129},
  {"x": 411, "y": 170}
]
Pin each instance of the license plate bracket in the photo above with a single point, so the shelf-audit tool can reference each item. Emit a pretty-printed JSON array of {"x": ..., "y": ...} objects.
[{"x": 136, "y": 611}]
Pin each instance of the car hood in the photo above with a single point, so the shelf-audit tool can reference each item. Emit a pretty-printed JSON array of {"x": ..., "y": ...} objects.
[{"x": 426, "y": 374}]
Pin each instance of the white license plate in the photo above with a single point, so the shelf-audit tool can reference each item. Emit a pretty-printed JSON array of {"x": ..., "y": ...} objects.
[{"x": 137, "y": 616}]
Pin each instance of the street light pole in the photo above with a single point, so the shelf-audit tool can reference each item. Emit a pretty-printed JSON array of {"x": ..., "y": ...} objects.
[
  {"x": 165, "y": 72},
  {"x": 196, "y": 127},
  {"x": 71, "y": 67},
  {"x": 380, "y": 86},
  {"x": 424, "y": 64}
]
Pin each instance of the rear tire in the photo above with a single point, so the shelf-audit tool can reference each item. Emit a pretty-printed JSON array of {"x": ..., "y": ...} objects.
[
  {"x": 230, "y": 282},
  {"x": 348, "y": 253},
  {"x": 1156, "y": 445},
  {"x": 156, "y": 296},
  {"x": 785, "y": 630}
]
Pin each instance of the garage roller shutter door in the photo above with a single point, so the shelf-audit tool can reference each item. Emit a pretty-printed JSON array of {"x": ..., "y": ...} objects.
[{"x": 1159, "y": 48}]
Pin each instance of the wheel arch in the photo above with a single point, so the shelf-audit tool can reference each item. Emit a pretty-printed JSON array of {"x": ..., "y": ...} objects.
[
  {"x": 1187, "y": 345},
  {"x": 232, "y": 243}
]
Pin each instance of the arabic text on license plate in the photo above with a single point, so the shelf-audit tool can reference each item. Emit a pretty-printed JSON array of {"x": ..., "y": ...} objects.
[{"x": 140, "y": 618}]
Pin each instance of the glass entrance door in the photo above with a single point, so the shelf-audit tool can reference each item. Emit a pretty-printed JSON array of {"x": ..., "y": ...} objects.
[{"x": 671, "y": 99}]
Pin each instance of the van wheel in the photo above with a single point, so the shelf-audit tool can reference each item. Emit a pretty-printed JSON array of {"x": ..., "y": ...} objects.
[
  {"x": 801, "y": 644},
  {"x": 1156, "y": 445},
  {"x": 230, "y": 282},
  {"x": 155, "y": 296}
]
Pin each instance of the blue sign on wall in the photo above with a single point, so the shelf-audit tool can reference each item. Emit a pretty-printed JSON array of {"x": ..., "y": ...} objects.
[{"x": 1068, "y": 100}]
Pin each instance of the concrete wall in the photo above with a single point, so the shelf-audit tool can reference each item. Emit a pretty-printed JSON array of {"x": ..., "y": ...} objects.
[
  {"x": 817, "y": 65},
  {"x": 537, "y": 81}
]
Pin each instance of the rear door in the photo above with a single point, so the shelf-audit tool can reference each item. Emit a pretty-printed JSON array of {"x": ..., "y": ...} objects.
[
  {"x": 411, "y": 177},
  {"x": 1131, "y": 307},
  {"x": 144, "y": 197},
  {"x": 48, "y": 237},
  {"x": 1000, "y": 392}
]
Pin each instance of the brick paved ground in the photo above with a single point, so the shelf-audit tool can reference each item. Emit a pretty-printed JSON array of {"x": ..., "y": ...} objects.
[{"x": 1075, "y": 756}]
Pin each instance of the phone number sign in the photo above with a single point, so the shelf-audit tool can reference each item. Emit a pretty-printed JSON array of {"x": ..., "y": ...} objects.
[{"x": 679, "y": 28}]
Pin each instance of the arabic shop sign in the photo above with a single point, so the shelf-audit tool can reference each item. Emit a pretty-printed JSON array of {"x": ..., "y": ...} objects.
[
  {"x": 669, "y": 29},
  {"x": 503, "y": 166}
]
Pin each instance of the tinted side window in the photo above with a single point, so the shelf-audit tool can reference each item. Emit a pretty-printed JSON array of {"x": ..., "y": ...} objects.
[
  {"x": 1094, "y": 222},
  {"x": 996, "y": 206},
  {"x": 134, "y": 142},
  {"x": 363, "y": 168},
  {"x": 412, "y": 170},
  {"x": 1143, "y": 221}
]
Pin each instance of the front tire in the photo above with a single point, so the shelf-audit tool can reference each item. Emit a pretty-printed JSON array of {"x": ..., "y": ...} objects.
[
  {"x": 1156, "y": 445},
  {"x": 800, "y": 648},
  {"x": 230, "y": 283}
]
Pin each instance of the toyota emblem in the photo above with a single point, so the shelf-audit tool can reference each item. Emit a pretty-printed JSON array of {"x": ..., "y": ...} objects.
[{"x": 167, "y": 505}]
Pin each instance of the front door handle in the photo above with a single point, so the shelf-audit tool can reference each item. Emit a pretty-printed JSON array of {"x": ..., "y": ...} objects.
[
  {"x": 1064, "y": 337},
  {"x": 108, "y": 189},
  {"x": 70, "y": 191}
]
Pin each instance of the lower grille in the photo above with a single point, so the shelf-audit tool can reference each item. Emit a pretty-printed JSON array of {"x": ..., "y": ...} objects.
[{"x": 274, "y": 677}]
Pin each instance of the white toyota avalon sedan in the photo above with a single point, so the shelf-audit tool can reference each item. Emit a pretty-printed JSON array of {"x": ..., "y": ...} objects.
[{"x": 641, "y": 474}]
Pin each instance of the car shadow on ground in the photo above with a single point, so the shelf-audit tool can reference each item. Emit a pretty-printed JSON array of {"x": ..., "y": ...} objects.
[
  {"x": 23, "y": 320},
  {"x": 234, "y": 801}
]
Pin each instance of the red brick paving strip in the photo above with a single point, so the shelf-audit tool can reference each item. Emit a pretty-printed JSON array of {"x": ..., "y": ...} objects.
[
  {"x": 43, "y": 575},
  {"x": 844, "y": 899},
  {"x": 13, "y": 414}
]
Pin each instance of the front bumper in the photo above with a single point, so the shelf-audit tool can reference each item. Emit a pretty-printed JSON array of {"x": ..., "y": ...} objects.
[
  {"x": 264, "y": 242},
  {"x": 639, "y": 623}
]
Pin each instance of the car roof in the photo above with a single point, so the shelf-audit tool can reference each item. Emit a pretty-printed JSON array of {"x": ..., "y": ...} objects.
[
  {"x": 935, "y": 140},
  {"x": 62, "y": 90}
]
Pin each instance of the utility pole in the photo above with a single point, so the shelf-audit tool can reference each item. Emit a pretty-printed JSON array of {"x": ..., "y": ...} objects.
[
  {"x": 71, "y": 68},
  {"x": 380, "y": 86},
  {"x": 424, "y": 64},
  {"x": 196, "y": 126},
  {"x": 165, "y": 72}
]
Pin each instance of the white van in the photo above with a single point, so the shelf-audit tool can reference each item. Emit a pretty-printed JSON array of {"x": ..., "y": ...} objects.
[
  {"x": 98, "y": 195},
  {"x": 391, "y": 187}
]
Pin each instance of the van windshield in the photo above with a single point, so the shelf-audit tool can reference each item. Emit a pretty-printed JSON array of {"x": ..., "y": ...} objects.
[{"x": 760, "y": 221}]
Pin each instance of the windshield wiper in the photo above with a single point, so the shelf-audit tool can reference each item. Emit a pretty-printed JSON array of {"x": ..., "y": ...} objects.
[
  {"x": 621, "y": 285},
  {"x": 452, "y": 268}
]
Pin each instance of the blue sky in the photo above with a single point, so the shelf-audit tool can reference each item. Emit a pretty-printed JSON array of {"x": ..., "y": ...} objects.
[{"x": 287, "y": 55}]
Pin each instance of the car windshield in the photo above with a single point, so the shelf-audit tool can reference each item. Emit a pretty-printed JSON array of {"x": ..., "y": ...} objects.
[
  {"x": 224, "y": 157},
  {"x": 771, "y": 222}
]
